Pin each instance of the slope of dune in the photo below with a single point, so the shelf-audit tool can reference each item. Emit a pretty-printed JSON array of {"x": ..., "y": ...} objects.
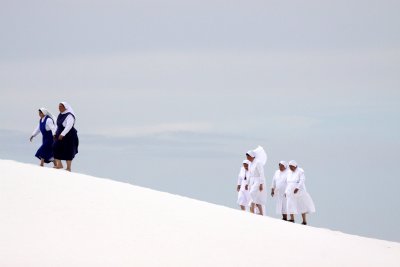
[{"x": 54, "y": 218}]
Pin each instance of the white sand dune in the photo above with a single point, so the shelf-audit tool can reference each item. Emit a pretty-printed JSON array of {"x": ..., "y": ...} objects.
[{"x": 55, "y": 218}]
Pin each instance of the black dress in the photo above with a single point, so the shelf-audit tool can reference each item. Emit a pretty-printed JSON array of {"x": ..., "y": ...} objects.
[
  {"x": 45, "y": 151},
  {"x": 67, "y": 148}
]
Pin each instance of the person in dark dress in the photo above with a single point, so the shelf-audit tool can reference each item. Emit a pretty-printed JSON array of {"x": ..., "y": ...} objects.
[
  {"x": 66, "y": 140},
  {"x": 47, "y": 127}
]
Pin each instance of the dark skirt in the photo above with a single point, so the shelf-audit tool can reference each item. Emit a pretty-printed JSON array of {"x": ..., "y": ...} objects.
[
  {"x": 67, "y": 148},
  {"x": 45, "y": 151}
]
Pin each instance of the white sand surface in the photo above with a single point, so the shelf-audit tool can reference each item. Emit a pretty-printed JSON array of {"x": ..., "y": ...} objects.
[{"x": 51, "y": 218}]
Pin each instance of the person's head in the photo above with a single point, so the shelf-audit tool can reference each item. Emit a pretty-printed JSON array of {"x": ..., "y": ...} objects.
[
  {"x": 293, "y": 165},
  {"x": 250, "y": 155},
  {"x": 41, "y": 115},
  {"x": 246, "y": 164},
  {"x": 282, "y": 166},
  {"x": 61, "y": 107}
]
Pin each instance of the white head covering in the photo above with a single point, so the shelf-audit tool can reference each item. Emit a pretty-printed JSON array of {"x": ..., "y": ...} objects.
[
  {"x": 284, "y": 163},
  {"x": 260, "y": 155},
  {"x": 68, "y": 108},
  {"x": 246, "y": 162},
  {"x": 47, "y": 113},
  {"x": 293, "y": 163},
  {"x": 251, "y": 153}
]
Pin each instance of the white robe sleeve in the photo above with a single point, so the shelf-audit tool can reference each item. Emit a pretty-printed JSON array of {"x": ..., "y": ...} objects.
[
  {"x": 273, "y": 184},
  {"x": 36, "y": 131},
  {"x": 241, "y": 176},
  {"x": 51, "y": 126},
  {"x": 69, "y": 123},
  {"x": 302, "y": 179},
  {"x": 260, "y": 168}
]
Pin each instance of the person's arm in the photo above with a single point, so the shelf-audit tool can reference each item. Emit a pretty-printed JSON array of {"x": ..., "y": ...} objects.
[
  {"x": 35, "y": 132},
  {"x": 51, "y": 126},
  {"x": 262, "y": 177},
  {"x": 273, "y": 185},
  {"x": 242, "y": 174},
  {"x": 301, "y": 180},
  {"x": 69, "y": 124},
  {"x": 247, "y": 181},
  {"x": 300, "y": 184},
  {"x": 261, "y": 172}
]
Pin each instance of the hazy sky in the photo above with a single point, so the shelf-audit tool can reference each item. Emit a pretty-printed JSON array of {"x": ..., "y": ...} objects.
[{"x": 184, "y": 88}]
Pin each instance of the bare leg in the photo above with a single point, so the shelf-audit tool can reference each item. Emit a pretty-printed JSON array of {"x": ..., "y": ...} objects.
[
  {"x": 252, "y": 207},
  {"x": 69, "y": 162},
  {"x": 291, "y": 218},
  {"x": 42, "y": 162},
  {"x": 303, "y": 216},
  {"x": 58, "y": 164},
  {"x": 259, "y": 206},
  {"x": 242, "y": 207},
  {"x": 284, "y": 217}
]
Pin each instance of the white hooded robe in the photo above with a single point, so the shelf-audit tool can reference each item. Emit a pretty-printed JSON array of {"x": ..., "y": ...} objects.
[
  {"x": 256, "y": 179},
  {"x": 279, "y": 185},
  {"x": 301, "y": 202},
  {"x": 243, "y": 194}
]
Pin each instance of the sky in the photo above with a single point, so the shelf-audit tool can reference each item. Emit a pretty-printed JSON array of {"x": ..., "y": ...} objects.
[{"x": 170, "y": 95}]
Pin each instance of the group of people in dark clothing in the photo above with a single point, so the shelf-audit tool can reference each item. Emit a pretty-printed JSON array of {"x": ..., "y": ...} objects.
[{"x": 60, "y": 138}]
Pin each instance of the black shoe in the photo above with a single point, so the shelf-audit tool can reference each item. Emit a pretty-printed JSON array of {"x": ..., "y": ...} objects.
[
  {"x": 284, "y": 219},
  {"x": 304, "y": 223},
  {"x": 291, "y": 221}
]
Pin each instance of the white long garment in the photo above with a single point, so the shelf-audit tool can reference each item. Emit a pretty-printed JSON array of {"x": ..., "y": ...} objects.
[
  {"x": 49, "y": 126},
  {"x": 279, "y": 184},
  {"x": 243, "y": 181},
  {"x": 68, "y": 123},
  {"x": 256, "y": 179},
  {"x": 301, "y": 202}
]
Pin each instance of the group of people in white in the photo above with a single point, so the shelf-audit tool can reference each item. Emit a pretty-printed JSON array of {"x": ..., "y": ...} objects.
[{"x": 287, "y": 187}]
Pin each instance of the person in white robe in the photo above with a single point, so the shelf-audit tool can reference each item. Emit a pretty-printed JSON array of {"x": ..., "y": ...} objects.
[
  {"x": 278, "y": 188},
  {"x": 258, "y": 195},
  {"x": 243, "y": 186},
  {"x": 298, "y": 199}
]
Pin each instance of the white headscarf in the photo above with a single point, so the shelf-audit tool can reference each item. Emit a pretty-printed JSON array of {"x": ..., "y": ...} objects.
[
  {"x": 259, "y": 154},
  {"x": 293, "y": 163},
  {"x": 246, "y": 162},
  {"x": 284, "y": 163},
  {"x": 47, "y": 113},
  {"x": 68, "y": 108}
]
